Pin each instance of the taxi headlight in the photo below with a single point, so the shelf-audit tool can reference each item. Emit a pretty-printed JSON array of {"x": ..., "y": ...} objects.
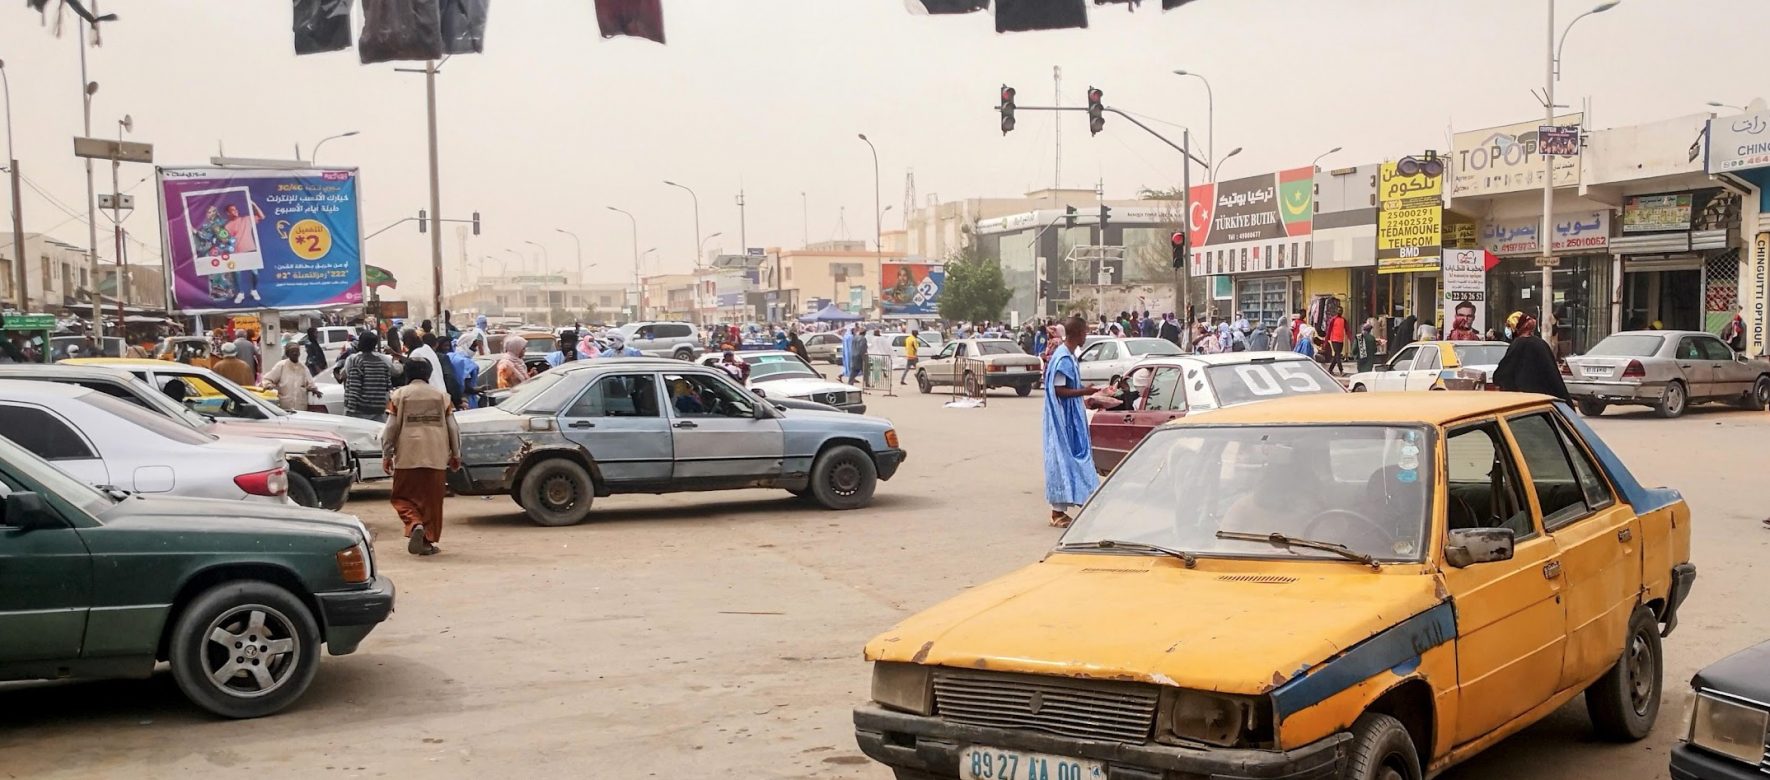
[
  {"x": 1729, "y": 729},
  {"x": 906, "y": 687},
  {"x": 1225, "y": 721},
  {"x": 891, "y": 438}
]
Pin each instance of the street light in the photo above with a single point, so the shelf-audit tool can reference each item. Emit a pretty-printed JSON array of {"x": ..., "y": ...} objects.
[
  {"x": 546, "y": 260},
  {"x": 578, "y": 247},
  {"x": 315, "y": 157},
  {"x": 18, "y": 215},
  {"x": 1210, "y": 116},
  {"x": 701, "y": 251},
  {"x": 638, "y": 289},
  {"x": 522, "y": 263},
  {"x": 1219, "y": 167},
  {"x": 1545, "y": 238},
  {"x": 878, "y": 213},
  {"x": 1317, "y": 164},
  {"x": 1712, "y": 103},
  {"x": 697, "y": 217}
]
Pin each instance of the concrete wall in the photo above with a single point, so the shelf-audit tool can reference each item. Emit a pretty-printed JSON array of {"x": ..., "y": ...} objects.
[{"x": 1662, "y": 148}]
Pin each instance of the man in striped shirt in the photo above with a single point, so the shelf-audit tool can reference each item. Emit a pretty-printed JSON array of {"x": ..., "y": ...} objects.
[{"x": 368, "y": 376}]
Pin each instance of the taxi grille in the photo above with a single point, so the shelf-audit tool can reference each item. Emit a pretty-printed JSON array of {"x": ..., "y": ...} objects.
[
  {"x": 1121, "y": 712},
  {"x": 836, "y": 399}
]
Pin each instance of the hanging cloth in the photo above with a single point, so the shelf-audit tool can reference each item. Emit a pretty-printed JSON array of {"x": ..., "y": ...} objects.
[
  {"x": 637, "y": 18},
  {"x": 946, "y": 6},
  {"x": 321, "y": 26},
  {"x": 400, "y": 30},
  {"x": 1022, "y": 15},
  {"x": 464, "y": 26}
]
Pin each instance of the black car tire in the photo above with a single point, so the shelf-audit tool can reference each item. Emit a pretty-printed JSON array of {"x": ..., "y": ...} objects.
[
  {"x": 301, "y": 491},
  {"x": 683, "y": 354},
  {"x": 1591, "y": 407},
  {"x": 1676, "y": 400},
  {"x": 923, "y": 384},
  {"x": 1758, "y": 398},
  {"x": 556, "y": 492},
  {"x": 843, "y": 477},
  {"x": 1023, "y": 390},
  {"x": 233, "y": 605},
  {"x": 1624, "y": 702},
  {"x": 1382, "y": 750},
  {"x": 1360, "y": 388}
]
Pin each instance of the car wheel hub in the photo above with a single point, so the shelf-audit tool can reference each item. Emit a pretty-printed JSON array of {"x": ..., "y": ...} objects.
[
  {"x": 559, "y": 493},
  {"x": 1640, "y": 668},
  {"x": 250, "y": 651},
  {"x": 845, "y": 479}
]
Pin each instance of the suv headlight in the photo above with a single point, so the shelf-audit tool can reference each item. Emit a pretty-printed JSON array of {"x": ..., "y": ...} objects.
[
  {"x": 906, "y": 687},
  {"x": 1733, "y": 730},
  {"x": 1214, "y": 719}
]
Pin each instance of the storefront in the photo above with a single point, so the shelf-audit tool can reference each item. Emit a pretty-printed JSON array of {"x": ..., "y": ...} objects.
[
  {"x": 1680, "y": 260},
  {"x": 1268, "y": 299},
  {"x": 1581, "y": 279},
  {"x": 1257, "y": 232}
]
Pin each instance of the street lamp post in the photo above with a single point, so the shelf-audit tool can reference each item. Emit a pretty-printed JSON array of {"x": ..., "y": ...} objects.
[
  {"x": 1316, "y": 165},
  {"x": 1210, "y": 116},
  {"x": 578, "y": 247},
  {"x": 702, "y": 249},
  {"x": 638, "y": 288},
  {"x": 87, "y": 89},
  {"x": 315, "y": 156},
  {"x": 18, "y": 214},
  {"x": 1546, "y": 237},
  {"x": 521, "y": 263},
  {"x": 878, "y": 214},
  {"x": 1719, "y": 104},
  {"x": 697, "y": 218},
  {"x": 546, "y": 259},
  {"x": 1219, "y": 166}
]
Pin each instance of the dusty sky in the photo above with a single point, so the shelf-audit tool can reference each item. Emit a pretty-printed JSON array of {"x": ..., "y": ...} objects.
[{"x": 553, "y": 123}]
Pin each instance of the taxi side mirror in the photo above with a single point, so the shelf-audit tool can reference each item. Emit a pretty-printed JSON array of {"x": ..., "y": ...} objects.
[{"x": 1468, "y": 546}]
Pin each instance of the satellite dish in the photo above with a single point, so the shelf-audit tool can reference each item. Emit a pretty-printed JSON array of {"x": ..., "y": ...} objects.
[{"x": 128, "y": 123}]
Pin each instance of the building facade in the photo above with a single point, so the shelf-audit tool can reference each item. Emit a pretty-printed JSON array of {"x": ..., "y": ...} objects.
[
  {"x": 56, "y": 273},
  {"x": 541, "y": 299}
]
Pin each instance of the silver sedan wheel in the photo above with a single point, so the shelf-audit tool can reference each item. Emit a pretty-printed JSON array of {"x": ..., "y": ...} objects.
[{"x": 251, "y": 651}]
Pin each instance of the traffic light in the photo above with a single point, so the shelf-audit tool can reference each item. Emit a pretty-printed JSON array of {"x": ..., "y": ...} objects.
[
  {"x": 1069, "y": 216},
  {"x": 476, "y": 223},
  {"x": 1007, "y": 108},
  {"x": 1180, "y": 248},
  {"x": 1105, "y": 214},
  {"x": 423, "y": 220},
  {"x": 1096, "y": 112}
]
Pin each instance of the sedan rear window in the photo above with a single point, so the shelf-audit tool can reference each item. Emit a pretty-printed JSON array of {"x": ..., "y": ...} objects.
[
  {"x": 999, "y": 348},
  {"x": 1241, "y": 383},
  {"x": 1628, "y": 345},
  {"x": 1152, "y": 347},
  {"x": 1480, "y": 356}
]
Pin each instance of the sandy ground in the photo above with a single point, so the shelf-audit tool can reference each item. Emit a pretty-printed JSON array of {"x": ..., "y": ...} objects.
[{"x": 708, "y": 635}]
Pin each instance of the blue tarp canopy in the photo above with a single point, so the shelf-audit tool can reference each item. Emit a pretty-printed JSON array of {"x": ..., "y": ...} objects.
[{"x": 830, "y": 314}]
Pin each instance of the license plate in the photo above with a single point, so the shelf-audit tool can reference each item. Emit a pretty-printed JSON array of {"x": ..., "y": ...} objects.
[
  {"x": 987, "y": 763},
  {"x": 1596, "y": 370}
]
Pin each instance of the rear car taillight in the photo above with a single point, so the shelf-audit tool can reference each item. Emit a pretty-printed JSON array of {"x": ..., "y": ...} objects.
[
  {"x": 1566, "y": 370},
  {"x": 997, "y": 367},
  {"x": 274, "y": 482},
  {"x": 1635, "y": 370}
]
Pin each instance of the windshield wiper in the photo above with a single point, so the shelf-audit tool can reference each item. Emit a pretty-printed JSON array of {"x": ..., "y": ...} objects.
[
  {"x": 1108, "y": 544},
  {"x": 1290, "y": 541}
]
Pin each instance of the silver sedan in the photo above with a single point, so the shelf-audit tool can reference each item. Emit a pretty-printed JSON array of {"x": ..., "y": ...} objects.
[{"x": 1667, "y": 370}]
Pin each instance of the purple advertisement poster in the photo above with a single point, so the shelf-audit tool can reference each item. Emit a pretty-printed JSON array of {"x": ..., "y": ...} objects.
[{"x": 250, "y": 240}]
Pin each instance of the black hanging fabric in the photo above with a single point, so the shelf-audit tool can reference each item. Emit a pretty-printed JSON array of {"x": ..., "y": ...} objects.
[
  {"x": 321, "y": 26},
  {"x": 952, "y": 6},
  {"x": 37, "y": 5},
  {"x": 1022, "y": 15},
  {"x": 1169, "y": 5},
  {"x": 400, "y": 30},
  {"x": 464, "y": 26},
  {"x": 637, "y": 18}
]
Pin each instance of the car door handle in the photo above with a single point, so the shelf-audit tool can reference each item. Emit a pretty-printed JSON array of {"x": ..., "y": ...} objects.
[
  {"x": 1129, "y": 418},
  {"x": 1685, "y": 365},
  {"x": 1551, "y": 570},
  {"x": 582, "y": 424},
  {"x": 1624, "y": 534},
  {"x": 685, "y": 424}
]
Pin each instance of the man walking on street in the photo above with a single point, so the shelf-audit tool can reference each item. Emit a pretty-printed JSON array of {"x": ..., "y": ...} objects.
[
  {"x": 367, "y": 376},
  {"x": 910, "y": 345},
  {"x": 420, "y": 445},
  {"x": 1337, "y": 343},
  {"x": 232, "y": 368},
  {"x": 1069, "y": 460}
]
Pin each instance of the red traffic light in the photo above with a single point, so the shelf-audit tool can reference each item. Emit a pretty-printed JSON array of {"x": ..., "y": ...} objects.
[
  {"x": 1179, "y": 238},
  {"x": 1094, "y": 95},
  {"x": 1007, "y": 94}
]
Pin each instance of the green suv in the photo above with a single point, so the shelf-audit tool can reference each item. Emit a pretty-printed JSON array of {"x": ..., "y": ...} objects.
[{"x": 238, "y": 598}]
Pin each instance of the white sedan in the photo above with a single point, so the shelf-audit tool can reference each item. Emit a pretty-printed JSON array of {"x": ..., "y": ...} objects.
[
  {"x": 779, "y": 374},
  {"x": 111, "y": 443},
  {"x": 1109, "y": 357},
  {"x": 1432, "y": 365}
]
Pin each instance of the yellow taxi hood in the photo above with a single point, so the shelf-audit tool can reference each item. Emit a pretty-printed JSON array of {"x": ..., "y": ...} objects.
[{"x": 1222, "y": 627}]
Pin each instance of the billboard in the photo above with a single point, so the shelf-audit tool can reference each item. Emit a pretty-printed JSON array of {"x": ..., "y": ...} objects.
[
  {"x": 1505, "y": 159},
  {"x": 1410, "y": 222},
  {"x": 1260, "y": 223},
  {"x": 1738, "y": 143},
  {"x": 1574, "y": 233},
  {"x": 246, "y": 240},
  {"x": 1465, "y": 293},
  {"x": 910, "y": 289},
  {"x": 1657, "y": 213}
]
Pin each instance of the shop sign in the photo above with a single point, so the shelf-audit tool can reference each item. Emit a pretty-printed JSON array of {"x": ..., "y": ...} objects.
[
  {"x": 1505, "y": 159},
  {"x": 1755, "y": 301},
  {"x": 1737, "y": 143},
  {"x": 1656, "y": 213},
  {"x": 1559, "y": 140},
  {"x": 1252, "y": 219},
  {"x": 1465, "y": 293},
  {"x": 1410, "y": 222},
  {"x": 1459, "y": 235},
  {"x": 1574, "y": 233}
]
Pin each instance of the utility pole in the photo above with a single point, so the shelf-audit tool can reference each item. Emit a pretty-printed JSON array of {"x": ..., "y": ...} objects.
[
  {"x": 86, "y": 90},
  {"x": 18, "y": 214},
  {"x": 804, "y": 221},
  {"x": 436, "y": 258},
  {"x": 1057, "y": 128},
  {"x": 743, "y": 226}
]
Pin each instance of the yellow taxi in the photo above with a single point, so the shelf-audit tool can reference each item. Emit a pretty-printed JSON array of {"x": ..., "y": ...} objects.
[
  {"x": 1433, "y": 365},
  {"x": 203, "y": 396},
  {"x": 1330, "y": 586}
]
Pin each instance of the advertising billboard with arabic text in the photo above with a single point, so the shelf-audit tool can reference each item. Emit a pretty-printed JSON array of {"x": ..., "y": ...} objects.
[
  {"x": 1505, "y": 159},
  {"x": 1410, "y": 224},
  {"x": 910, "y": 289},
  {"x": 1738, "y": 143},
  {"x": 247, "y": 240},
  {"x": 1574, "y": 233},
  {"x": 1260, "y": 223}
]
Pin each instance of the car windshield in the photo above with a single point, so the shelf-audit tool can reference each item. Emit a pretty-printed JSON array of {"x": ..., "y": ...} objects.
[
  {"x": 539, "y": 345},
  {"x": 1486, "y": 355},
  {"x": 1241, "y": 383},
  {"x": 110, "y": 346},
  {"x": 544, "y": 393},
  {"x": 999, "y": 348},
  {"x": 20, "y": 462},
  {"x": 146, "y": 420},
  {"x": 233, "y": 392},
  {"x": 1151, "y": 347},
  {"x": 1362, "y": 486},
  {"x": 779, "y": 367},
  {"x": 1627, "y": 345}
]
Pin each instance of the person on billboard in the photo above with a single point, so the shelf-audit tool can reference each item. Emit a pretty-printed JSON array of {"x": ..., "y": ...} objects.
[
  {"x": 1462, "y": 322},
  {"x": 243, "y": 230}
]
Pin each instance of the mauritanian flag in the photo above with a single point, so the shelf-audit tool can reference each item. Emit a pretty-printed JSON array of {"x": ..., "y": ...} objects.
[
  {"x": 376, "y": 276},
  {"x": 1296, "y": 200}
]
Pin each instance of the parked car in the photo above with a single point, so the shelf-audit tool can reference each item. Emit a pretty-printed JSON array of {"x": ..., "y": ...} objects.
[
  {"x": 333, "y": 339},
  {"x": 824, "y": 346},
  {"x": 1110, "y": 357},
  {"x": 642, "y": 425},
  {"x": 1329, "y": 586},
  {"x": 776, "y": 375},
  {"x": 678, "y": 340},
  {"x": 237, "y": 598},
  {"x": 931, "y": 343},
  {"x": 1168, "y": 387},
  {"x": 991, "y": 363},
  {"x": 1667, "y": 370},
  {"x": 1729, "y": 731},
  {"x": 319, "y": 464},
  {"x": 211, "y": 394},
  {"x": 108, "y": 443},
  {"x": 189, "y": 350},
  {"x": 1433, "y": 365}
]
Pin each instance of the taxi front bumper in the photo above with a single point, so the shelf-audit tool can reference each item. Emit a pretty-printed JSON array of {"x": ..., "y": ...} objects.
[{"x": 931, "y": 747}]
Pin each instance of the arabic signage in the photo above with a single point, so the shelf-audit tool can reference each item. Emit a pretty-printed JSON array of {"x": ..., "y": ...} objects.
[
  {"x": 1260, "y": 223},
  {"x": 1558, "y": 140},
  {"x": 1505, "y": 159},
  {"x": 1574, "y": 233},
  {"x": 1465, "y": 293},
  {"x": 1656, "y": 213},
  {"x": 1459, "y": 235},
  {"x": 246, "y": 240},
  {"x": 910, "y": 289},
  {"x": 1755, "y": 296},
  {"x": 1737, "y": 143},
  {"x": 1410, "y": 224},
  {"x": 538, "y": 281}
]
